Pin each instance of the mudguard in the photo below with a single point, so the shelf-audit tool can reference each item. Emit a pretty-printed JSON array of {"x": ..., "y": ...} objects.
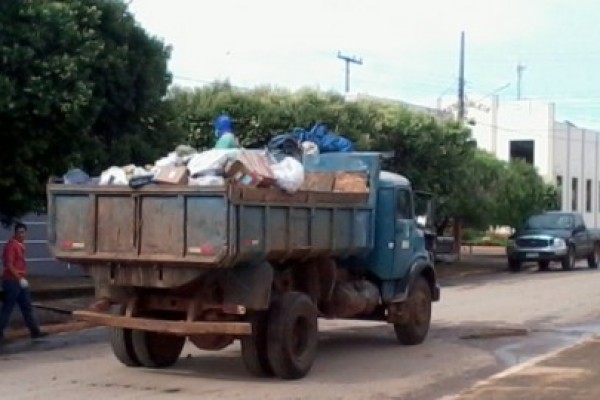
[
  {"x": 248, "y": 284},
  {"x": 397, "y": 291}
]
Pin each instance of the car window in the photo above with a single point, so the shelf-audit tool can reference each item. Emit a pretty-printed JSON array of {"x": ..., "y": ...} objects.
[{"x": 404, "y": 207}]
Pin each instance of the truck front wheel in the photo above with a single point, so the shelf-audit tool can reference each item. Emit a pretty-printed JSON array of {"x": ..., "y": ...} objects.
[
  {"x": 418, "y": 305},
  {"x": 156, "y": 350},
  {"x": 292, "y": 335}
]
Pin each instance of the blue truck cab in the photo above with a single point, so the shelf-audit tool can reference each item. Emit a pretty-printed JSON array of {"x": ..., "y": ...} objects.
[{"x": 224, "y": 263}]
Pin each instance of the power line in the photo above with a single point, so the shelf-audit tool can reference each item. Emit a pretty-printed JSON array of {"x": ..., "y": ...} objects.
[{"x": 348, "y": 60}]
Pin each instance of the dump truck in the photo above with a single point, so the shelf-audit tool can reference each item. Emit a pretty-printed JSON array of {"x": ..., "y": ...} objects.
[{"x": 217, "y": 264}]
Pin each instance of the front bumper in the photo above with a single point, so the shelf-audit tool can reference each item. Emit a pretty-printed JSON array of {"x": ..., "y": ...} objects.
[{"x": 536, "y": 254}]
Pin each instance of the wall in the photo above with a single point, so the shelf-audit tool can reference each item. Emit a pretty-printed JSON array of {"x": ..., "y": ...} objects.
[
  {"x": 576, "y": 152},
  {"x": 39, "y": 259}
]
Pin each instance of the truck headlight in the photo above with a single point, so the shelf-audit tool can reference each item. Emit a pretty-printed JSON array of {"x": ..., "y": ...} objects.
[{"x": 559, "y": 243}]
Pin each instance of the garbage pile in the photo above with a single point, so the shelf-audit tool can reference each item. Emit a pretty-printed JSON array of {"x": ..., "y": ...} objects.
[
  {"x": 216, "y": 167},
  {"x": 280, "y": 165}
]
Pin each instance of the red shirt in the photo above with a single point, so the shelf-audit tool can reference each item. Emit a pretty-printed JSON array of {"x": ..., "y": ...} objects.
[{"x": 13, "y": 255}]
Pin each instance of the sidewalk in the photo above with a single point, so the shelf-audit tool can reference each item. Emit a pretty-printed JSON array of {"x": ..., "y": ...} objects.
[{"x": 573, "y": 373}]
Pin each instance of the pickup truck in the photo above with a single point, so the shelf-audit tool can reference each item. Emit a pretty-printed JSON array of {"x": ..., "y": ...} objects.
[
  {"x": 553, "y": 236},
  {"x": 223, "y": 263}
]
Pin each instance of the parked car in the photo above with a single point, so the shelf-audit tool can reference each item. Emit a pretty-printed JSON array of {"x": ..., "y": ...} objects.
[{"x": 553, "y": 236}]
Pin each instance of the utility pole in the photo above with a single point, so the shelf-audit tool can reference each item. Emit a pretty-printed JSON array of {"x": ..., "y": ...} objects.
[
  {"x": 461, "y": 79},
  {"x": 520, "y": 69},
  {"x": 348, "y": 60}
]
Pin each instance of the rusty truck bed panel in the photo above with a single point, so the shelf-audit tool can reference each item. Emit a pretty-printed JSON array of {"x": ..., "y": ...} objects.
[
  {"x": 201, "y": 227},
  {"x": 90, "y": 223}
]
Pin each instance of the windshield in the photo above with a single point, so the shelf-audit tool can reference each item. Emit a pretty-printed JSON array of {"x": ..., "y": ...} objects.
[{"x": 550, "y": 221}]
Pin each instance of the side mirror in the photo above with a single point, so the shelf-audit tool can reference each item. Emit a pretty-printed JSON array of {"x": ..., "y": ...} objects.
[
  {"x": 421, "y": 221},
  {"x": 579, "y": 229}
]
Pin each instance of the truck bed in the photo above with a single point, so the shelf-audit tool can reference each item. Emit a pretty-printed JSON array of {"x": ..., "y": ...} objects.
[{"x": 206, "y": 226}]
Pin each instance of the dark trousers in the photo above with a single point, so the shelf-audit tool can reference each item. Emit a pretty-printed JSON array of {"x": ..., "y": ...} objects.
[{"x": 14, "y": 294}]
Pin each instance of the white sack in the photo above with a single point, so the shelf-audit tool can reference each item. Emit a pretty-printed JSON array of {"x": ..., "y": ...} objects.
[
  {"x": 211, "y": 162},
  {"x": 289, "y": 174},
  {"x": 113, "y": 176}
]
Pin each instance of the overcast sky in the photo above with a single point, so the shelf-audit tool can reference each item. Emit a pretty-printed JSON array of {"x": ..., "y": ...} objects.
[{"x": 410, "y": 49}]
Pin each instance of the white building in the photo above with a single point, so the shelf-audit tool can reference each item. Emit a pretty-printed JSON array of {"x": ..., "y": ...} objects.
[{"x": 563, "y": 153}]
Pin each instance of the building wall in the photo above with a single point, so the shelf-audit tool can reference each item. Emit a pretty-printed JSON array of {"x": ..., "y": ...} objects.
[
  {"x": 39, "y": 259},
  {"x": 561, "y": 148},
  {"x": 576, "y": 152}
]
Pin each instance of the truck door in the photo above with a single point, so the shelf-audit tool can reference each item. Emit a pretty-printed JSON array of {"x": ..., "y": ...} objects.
[{"x": 405, "y": 230}]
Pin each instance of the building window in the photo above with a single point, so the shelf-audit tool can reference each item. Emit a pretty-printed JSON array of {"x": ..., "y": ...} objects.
[
  {"x": 588, "y": 195},
  {"x": 522, "y": 149},
  {"x": 574, "y": 194},
  {"x": 559, "y": 187}
]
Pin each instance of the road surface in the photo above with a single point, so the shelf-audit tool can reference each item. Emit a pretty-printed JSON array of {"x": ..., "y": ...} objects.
[{"x": 481, "y": 326}]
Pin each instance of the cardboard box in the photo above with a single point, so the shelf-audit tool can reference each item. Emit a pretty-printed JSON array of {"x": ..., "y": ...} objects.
[
  {"x": 350, "y": 182},
  {"x": 318, "y": 182},
  {"x": 251, "y": 169},
  {"x": 172, "y": 175}
]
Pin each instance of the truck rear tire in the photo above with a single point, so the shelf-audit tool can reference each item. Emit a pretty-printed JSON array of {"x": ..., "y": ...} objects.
[
  {"x": 292, "y": 335},
  {"x": 156, "y": 350},
  {"x": 418, "y": 304},
  {"x": 122, "y": 347},
  {"x": 254, "y": 347}
]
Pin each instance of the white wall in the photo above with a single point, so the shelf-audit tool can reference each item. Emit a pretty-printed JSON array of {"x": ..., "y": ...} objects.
[
  {"x": 560, "y": 147},
  {"x": 576, "y": 152}
]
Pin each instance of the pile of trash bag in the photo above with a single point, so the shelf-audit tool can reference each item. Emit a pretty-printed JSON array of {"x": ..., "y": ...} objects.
[
  {"x": 281, "y": 164},
  {"x": 326, "y": 142}
]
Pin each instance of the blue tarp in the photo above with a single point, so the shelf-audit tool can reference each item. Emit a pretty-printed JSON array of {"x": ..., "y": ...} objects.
[{"x": 320, "y": 135}]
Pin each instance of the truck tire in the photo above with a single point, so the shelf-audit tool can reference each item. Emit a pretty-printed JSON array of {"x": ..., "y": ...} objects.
[
  {"x": 254, "y": 347},
  {"x": 568, "y": 261},
  {"x": 514, "y": 265},
  {"x": 120, "y": 341},
  {"x": 418, "y": 303},
  {"x": 156, "y": 350},
  {"x": 292, "y": 335},
  {"x": 594, "y": 258}
]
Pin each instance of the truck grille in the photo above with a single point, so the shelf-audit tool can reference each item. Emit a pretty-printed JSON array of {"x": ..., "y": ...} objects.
[{"x": 532, "y": 242}]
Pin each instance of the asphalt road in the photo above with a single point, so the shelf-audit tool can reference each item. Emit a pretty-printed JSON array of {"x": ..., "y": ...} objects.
[{"x": 482, "y": 326}]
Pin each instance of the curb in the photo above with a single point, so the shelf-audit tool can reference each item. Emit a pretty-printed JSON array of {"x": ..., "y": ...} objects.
[
  {"x": 65, "y": 327},
  {"x": 56, "y": 293}
]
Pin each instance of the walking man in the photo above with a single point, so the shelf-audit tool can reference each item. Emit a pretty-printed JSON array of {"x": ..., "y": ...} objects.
[{"x": 15, "y": 286}]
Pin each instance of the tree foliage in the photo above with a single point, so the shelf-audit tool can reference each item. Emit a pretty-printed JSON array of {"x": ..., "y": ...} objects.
[
  {"x": 81, "y": 84},
  {"x": 437, "y": 155}
]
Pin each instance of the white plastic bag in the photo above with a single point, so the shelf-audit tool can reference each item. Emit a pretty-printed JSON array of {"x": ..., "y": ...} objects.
[
  {"x": 210, "y": 162},
  {"x": 289, "y": 174},
  {"x": 207, "y": 181},
  {"x": 113, "y": 176},
  {"x": 171, "y": 160}
]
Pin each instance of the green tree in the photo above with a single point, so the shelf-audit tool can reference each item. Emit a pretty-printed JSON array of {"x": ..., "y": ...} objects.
[
  {"x": 81, "y": 84},
  {"x": 521, "y": 192}
]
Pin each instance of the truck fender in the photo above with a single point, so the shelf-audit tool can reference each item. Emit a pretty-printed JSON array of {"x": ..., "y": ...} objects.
[
  {"x": 249, "y": 284},
  {"x": 420, "y": 267}
]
